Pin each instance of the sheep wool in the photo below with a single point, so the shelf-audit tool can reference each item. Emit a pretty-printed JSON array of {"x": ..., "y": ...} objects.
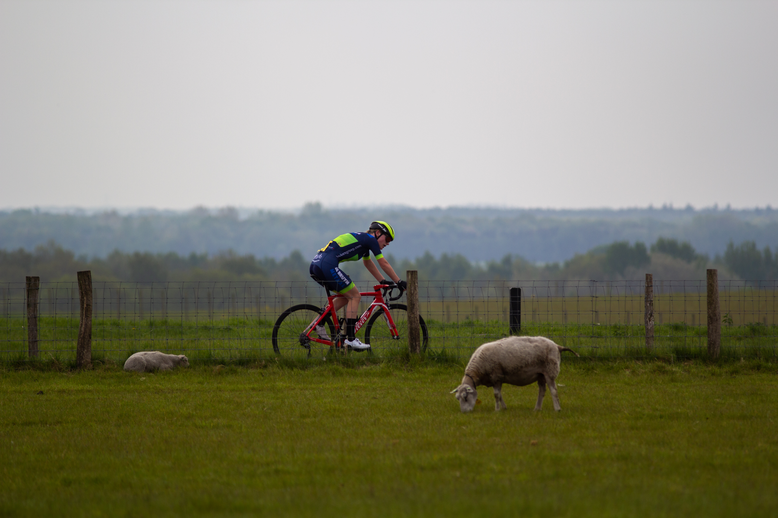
[
  {"x": 515, "y": 360},
  {"x": 148, "y": 361}
]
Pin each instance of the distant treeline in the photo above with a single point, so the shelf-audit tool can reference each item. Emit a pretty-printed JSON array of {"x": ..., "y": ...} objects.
[
  {"x": 665, "y": 259},
  {"x": 479, "y": 235}
]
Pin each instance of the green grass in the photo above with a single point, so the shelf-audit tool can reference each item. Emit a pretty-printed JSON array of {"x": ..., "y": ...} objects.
[
  {"x": 244, "y": 340},
  {"x": 348, "y": 437}
]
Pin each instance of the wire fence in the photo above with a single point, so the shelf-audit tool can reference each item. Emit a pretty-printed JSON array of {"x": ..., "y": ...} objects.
[{"x": 230, "y": 320}]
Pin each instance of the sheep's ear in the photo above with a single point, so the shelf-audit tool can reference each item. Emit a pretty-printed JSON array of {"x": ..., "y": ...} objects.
[
  {"x": 453, "y": 391},
  {"x": 468, "y": 388}
]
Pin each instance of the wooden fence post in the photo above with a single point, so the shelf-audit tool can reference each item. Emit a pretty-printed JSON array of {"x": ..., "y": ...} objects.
[
  {"x": 33, "y": 283},
  {"x": 84, "y": 344},
  {"x": 514, "y": 311},
  {"x": 414, "y": 335},
  {"x": 714, "y": 315},
  {"x": 649, "y": 311}
]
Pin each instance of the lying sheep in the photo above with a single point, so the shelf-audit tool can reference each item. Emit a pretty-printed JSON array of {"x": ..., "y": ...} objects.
[
  {"x": 147, "y": 361},
  {"x": 516, "y": 360}
]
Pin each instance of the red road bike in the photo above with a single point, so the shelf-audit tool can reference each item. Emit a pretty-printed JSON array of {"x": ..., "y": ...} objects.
[{"x": 385, "y": 324}]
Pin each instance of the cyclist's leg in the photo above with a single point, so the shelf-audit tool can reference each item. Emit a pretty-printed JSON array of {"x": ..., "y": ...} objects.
[
  {"x": 340, "y": 303},
  {"x": 351, "y": 301},
  {"x": 336, "y": 279},
  {"x": 332, "y": 278},
  {"x": 353, "y": 296},
  {"x": 319, "y": 274}
]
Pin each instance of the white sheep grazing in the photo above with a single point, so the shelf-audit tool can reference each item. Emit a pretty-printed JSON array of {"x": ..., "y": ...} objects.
[
  {"x": 516, "y": 360},
  {"x": 147, "y": 361}
]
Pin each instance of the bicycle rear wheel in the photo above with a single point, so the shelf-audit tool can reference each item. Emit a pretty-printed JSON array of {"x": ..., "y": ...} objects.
[
  {"x": 377, "y": 334},
  {"x": 288, "y": 331}
]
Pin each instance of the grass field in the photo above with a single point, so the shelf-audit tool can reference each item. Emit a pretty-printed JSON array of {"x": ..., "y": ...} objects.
[{"x": 350, "y": 438}]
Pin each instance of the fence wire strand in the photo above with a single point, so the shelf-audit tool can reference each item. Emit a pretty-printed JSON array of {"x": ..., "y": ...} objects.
[{"x": 235, "y": 319}]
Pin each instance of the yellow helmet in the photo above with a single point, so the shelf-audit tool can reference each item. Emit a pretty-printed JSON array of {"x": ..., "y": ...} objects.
[{"x": 384, "y": 227}]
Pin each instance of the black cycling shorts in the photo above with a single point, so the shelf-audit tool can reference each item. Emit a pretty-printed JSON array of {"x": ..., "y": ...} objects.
[{"x": 331, "y": 277}]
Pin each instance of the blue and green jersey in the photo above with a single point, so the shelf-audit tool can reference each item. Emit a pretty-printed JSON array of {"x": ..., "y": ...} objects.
[
  {"x": 350, "y": 247},
  {"x": 347, "y": 247}
]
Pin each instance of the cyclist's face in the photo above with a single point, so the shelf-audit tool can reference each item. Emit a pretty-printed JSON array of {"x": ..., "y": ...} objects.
[{"x": 384, "y": 240}]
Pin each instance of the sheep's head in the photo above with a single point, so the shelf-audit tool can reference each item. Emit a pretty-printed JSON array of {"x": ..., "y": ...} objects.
[
  {"x": 467, "y": 397},
  {"x": 183, "y": 361}
]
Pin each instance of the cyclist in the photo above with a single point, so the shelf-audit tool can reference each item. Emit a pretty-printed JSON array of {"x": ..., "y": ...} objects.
[{"x": 350, "y": 247}]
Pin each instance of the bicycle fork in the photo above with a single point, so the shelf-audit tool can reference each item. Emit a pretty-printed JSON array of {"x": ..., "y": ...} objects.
[
  {"x": 395, "y": 334},
  {"x": 390, "y": 324}
]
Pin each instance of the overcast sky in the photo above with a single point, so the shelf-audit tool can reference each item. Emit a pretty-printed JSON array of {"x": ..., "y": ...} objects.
[{"x": 273, "y": 104}]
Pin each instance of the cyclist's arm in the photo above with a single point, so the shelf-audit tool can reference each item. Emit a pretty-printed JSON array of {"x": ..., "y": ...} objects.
[
  {"x": 372, "y": 268},
  {"x": 386, "y": 267}
]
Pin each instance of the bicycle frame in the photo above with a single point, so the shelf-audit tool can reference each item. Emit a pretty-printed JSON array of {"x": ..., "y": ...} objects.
[{"x": 378, "y": 303}]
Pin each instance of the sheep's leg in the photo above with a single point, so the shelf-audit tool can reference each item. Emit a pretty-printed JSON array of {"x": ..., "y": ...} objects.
[
  {"x": 498, "y": 401},
  {"x": 554, "y": 395},
  {"x": 541, "y": 392}
]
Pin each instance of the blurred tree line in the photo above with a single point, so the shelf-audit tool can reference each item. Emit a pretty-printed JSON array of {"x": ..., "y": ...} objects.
[
  {"x": 665, "y": 259},
  {"x": 479, "y": 234}
]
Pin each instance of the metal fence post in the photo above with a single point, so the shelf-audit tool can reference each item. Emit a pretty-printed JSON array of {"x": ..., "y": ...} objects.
[
  {"x": 515, "y": 311},
  {"x": 714, "y": 315},
  {"x": 649, "y": 311},
  {"x": 414, "y": 335},
  {"x": 84, "y": 344},
  {"x": 33, "y": 283}
]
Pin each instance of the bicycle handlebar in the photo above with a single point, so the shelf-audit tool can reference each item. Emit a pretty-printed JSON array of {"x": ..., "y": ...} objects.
[{"x": 388, "y": 289}]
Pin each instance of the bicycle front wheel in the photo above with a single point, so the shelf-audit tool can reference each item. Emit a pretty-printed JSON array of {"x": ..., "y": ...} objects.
[
  {"x": 289, "y": 331},
  {"x": 377, "y": 334}
]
